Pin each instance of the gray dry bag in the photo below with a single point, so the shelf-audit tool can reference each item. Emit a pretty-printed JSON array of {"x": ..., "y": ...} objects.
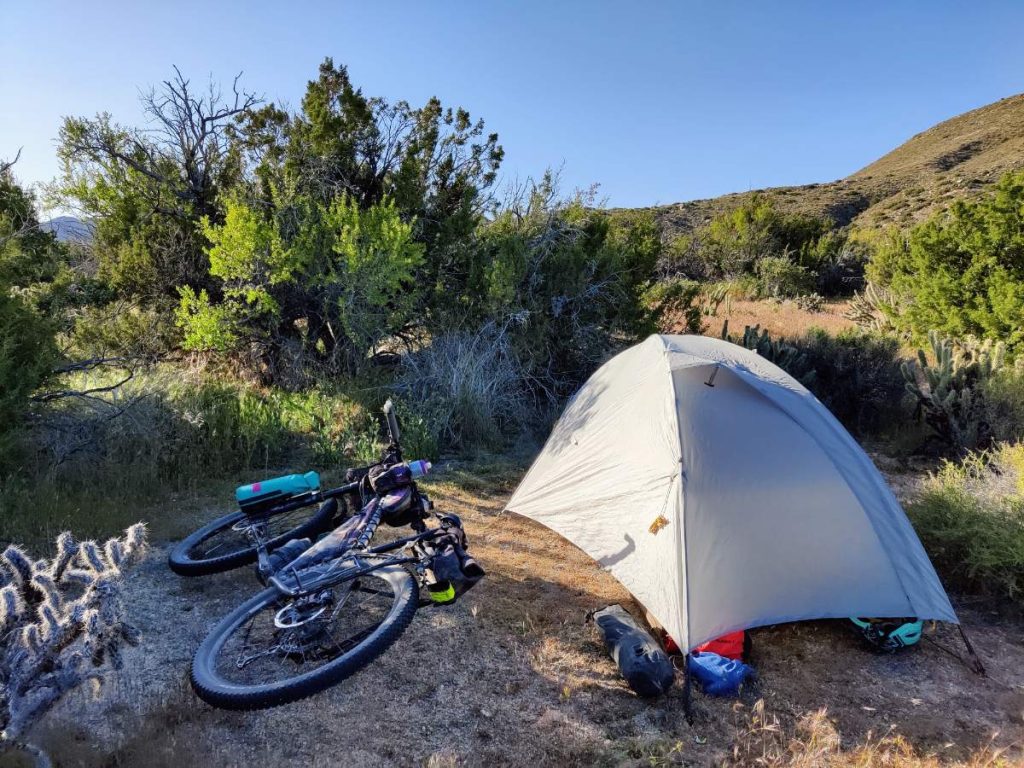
[{"x": 642, "y": 662}]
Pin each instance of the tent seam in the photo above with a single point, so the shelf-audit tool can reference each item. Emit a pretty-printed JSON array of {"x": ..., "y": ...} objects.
[{"x": 684, "y": 571}]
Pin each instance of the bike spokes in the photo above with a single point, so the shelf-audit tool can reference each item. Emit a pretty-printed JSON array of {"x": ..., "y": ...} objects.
[
  {"x": 242, "y": 535},
  {"x": 290, "y": 637}
]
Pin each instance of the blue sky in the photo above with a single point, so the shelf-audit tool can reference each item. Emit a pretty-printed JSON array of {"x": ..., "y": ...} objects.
[{"x": 656, "y": 101}]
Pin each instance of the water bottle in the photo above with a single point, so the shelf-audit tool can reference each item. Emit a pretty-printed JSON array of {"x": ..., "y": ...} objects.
[
  {"x": 270, "y": 492},
  {"x": 420, "y": 467}
]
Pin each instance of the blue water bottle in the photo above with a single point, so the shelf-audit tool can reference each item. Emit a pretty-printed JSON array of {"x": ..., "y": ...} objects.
[{"x": 420, "y": 467}]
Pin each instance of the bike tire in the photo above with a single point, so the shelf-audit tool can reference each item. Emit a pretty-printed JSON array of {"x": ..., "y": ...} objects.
[
  {"x": 225, "y": 694},
  {"x": 183, "y": 563}
]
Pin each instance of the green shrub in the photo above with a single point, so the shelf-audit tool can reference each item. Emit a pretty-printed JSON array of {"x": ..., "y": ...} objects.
[
  {"x": 970, "y": 517},
  {"x": 962, "y": 272},
  {"x": 30, "y": 265},
  {"x": 789, "y": 253},
  {"x": 27, "y": 355},
  {"x": 1003, "y": 396},
  {"x": 122, "y": 330},
  {"x": 678, "y": 298},
  {"x": 778, "y": 277},
  {"x": 333, "y": 281},
  {"x": 567, "y": 281}
]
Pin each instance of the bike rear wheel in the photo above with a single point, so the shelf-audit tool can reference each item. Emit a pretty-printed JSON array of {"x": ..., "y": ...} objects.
[
  {"x": 273, "y": 650},
  {"x": 224, "y": 544}
]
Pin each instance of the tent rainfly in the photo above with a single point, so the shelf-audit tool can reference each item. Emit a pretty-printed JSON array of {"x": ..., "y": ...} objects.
[{"x": 724, "y": 496}]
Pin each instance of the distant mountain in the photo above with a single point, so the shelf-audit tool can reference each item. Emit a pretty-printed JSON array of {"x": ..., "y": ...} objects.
[
  {"x": 957, "y": 158},
  {"x": 68, "y": 229}
]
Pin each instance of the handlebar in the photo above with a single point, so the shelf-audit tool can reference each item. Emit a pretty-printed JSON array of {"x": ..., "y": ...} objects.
[{"x": 389, "y": 415}]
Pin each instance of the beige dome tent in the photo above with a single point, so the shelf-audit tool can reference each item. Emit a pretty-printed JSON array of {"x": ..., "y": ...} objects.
[{"x": 724, "y": 496}]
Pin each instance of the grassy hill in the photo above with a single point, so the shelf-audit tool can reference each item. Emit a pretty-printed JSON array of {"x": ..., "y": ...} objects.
[{"x": 956, "y": 158}]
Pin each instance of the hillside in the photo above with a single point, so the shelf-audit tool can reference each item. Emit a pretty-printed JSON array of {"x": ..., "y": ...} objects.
[{"x": 956, "y": 158}]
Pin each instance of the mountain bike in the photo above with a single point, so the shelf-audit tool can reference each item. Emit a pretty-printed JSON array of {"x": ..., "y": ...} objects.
[
  {"x": 339, "y": 604},
  {"x": 271, "y": 521}
]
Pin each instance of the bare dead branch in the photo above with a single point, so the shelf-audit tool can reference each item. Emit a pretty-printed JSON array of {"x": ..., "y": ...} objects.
[
  {"x": 82, "y": 394},
  {"x": 6, "y": 165}
]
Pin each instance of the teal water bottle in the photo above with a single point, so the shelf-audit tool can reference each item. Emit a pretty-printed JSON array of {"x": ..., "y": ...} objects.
[{"x": 266, "y": 493}]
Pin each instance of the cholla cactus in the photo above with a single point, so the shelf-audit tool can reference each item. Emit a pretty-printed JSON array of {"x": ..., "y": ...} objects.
[
  {"x": 874, "y": 309},
  {"x": 949, "y": 393},
  {"x": 61, "y": 624},
  {"x": 787, "y": 356}
]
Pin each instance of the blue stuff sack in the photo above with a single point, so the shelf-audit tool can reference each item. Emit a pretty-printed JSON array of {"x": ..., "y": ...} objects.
[{"x": 717, "y": 675}]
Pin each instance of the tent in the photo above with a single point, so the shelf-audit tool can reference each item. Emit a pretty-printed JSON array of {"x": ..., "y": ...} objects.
[{"x": 725, "y": 496}]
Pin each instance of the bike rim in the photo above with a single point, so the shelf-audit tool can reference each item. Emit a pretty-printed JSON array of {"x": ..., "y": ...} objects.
[{"x": 234, "y": 539}]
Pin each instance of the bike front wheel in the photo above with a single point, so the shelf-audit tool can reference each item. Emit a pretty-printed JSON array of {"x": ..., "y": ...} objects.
[
  {"x": 225, "y": 544},
  {"x": 273, "y": 649}
]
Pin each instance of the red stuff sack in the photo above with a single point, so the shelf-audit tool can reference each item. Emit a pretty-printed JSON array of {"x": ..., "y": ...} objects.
[{"x": 732, "y": 646}]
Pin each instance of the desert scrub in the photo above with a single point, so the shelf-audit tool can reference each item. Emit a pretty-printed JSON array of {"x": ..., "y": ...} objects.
[
  {"x": 465, "y": 389},
  {"x": 970, "y": 517},
  {"x": 91, "y": 465}
]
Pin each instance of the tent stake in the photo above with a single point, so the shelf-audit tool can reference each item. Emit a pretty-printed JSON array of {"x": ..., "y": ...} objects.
[
  {"x": 687, "y": 703},
  {"x": 974, "y": 660}
]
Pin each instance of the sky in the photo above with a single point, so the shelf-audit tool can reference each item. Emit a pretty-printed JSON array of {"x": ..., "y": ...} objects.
[{"x": 657, "y": 102}]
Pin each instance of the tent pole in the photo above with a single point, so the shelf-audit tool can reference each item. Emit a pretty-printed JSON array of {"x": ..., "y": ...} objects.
[{"x": 974, "y": 661}]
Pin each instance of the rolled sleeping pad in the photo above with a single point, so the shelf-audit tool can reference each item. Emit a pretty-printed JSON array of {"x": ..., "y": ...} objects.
[{"x": 642, "y": 662}]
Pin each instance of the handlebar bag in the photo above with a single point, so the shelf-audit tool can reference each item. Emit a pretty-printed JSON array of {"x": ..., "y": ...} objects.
[{"x": 384, "y": 479}]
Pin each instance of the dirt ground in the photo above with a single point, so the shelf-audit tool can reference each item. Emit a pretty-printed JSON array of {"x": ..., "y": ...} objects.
[
  {"x": 779, "y": 318},
  {"x": 512, "y": 675}
]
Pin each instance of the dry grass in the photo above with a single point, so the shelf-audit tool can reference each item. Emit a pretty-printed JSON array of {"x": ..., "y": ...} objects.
[{"x": 815, "y": 742}]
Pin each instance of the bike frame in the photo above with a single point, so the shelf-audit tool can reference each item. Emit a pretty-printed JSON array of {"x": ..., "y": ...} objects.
[
  {"x": 329, "y": 573},
  {"x": 371, "y": 518}
]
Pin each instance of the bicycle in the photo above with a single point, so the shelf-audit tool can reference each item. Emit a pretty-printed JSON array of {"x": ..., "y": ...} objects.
[
  {"x": 234, "y": 540},
  {"x": 339, "y": 604}
]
